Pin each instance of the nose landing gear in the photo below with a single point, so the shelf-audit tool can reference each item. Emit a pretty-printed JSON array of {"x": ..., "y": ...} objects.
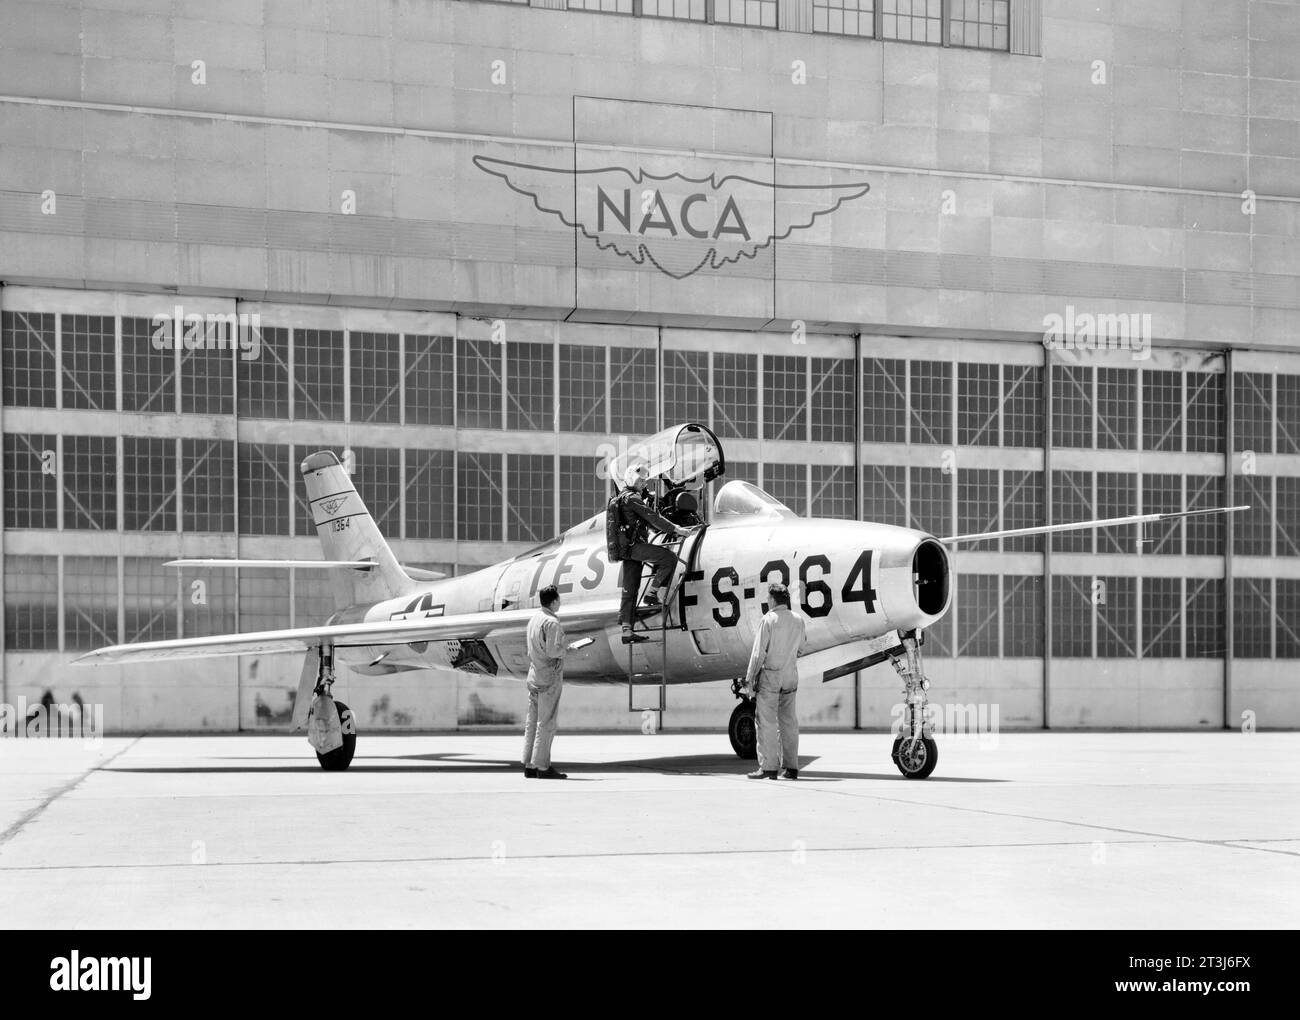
[{"x": 914, "y": 752}]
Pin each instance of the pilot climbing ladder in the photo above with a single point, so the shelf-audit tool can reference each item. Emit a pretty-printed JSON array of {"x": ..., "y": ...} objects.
[{"x": 679, "y": 462}]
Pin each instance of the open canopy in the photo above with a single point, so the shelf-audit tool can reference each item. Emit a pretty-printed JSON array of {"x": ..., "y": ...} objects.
[{"x": 686, "y": 455}]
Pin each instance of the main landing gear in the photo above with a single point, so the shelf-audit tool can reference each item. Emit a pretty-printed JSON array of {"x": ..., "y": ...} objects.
[
  {"x": 331, "y": 726},
  {"x": 914, "y": 752},
  {"x": 742, "y": 729}
]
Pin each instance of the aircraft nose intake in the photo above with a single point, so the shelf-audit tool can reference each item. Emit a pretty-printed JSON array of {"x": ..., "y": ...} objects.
[{"x": 931, "y": 578}]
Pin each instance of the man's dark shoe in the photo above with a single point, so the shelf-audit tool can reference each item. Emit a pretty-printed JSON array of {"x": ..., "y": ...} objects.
[
  {"x": 651, "y": 601},
  {"x": 760, "y": 774},
  {"x": 551, "y": 773},
  {"x": 630, "y": 638},
  {"x": 530, "y": 772},
  {"x": 790, "y": 774}
]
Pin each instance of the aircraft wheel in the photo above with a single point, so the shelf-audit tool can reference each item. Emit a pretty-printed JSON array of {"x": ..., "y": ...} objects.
[
  {"x": 743, "y": 731},
  {"x": 915, "y": 761},
  {"x": 341, "y": 757}
]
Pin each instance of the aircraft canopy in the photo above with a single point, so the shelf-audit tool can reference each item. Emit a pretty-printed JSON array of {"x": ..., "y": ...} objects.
[
  {"x": 683, "y": 455},
  {"x": 741, "y": 499}
]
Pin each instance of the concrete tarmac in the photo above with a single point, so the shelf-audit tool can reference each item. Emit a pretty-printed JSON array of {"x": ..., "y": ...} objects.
[{"x": 1059, "y": 830}]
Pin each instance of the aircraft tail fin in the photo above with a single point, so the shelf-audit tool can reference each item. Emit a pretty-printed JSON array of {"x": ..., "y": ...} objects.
[{"x": 348, "y": 532}]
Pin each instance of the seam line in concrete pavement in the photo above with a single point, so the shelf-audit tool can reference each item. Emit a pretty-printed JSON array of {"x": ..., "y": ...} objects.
[
  {"x": 68, "y": 787},
  {"x": 563, "y": 856},
  {"x": 1161, "y": 836}
]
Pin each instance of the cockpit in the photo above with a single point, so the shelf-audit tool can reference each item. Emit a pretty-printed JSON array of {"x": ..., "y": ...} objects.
[
  {"x": 741, "y": 499},
  {"x": 680, "y": 461}
]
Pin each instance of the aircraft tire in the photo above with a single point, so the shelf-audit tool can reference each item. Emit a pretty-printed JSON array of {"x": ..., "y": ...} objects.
[
  {"x": 920, "y": 763},
  {"x": 341, "y": 757},
  {"x": 743, "y": 731}
]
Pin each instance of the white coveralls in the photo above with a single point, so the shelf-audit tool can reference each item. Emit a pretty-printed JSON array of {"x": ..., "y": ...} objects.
[
  {"x": 774, "y": 675},
  {"x": 545, "y": 683}
]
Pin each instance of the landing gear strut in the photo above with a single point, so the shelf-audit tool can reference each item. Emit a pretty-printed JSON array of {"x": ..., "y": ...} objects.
[
  {"x": 742, "y": 728},
  {"x": 339, "y": 757},
  {"x": 914, "y": 752}
]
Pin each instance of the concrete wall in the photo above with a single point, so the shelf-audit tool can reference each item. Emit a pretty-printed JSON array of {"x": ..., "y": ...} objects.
[{"x": 1114, "y": 193}]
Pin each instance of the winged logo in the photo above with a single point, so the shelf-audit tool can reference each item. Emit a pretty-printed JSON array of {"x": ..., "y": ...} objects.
[
  {"x": 331, "y": 506},
  {"x": 677, "y": 223}
]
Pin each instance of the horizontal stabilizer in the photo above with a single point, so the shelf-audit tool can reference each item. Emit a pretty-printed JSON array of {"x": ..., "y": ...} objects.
[
  {"x": 415, "y": 573},
  {"x": 296, "y": 564}
]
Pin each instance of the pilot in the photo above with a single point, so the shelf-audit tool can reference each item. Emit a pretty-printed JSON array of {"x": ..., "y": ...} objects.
[
  {"x": 638, "y": 518},
  {"x": 773, "y": 678},
  {"x": 545, "y": 683}
]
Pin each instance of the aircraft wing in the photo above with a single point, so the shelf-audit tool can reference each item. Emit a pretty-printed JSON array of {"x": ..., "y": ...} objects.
[
  {"x": 579, "y": 619},
  {"x": 1110, "y": 522}
]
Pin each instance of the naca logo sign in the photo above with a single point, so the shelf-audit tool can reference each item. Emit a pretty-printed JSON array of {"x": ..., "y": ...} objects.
[{"x": 675, "y": 222}]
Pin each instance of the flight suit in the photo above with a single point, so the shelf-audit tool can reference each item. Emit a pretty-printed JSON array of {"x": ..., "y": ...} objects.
[
  {"x": 640, "y": 552},
  {"x": 774, "y": 675},
  {"x": 545, "y": 683}
]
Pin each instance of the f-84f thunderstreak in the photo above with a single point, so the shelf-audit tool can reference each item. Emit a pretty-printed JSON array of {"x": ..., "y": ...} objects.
[{"x": 868, "y": 592}]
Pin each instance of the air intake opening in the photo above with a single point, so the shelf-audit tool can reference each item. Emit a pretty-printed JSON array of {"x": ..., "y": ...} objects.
[{"x": 930, "y": 577}]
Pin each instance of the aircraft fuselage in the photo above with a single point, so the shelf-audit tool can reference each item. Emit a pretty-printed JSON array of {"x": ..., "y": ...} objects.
[{"x": 850, "y": 580}]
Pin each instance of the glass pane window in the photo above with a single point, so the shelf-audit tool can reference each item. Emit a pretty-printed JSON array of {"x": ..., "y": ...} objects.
[
  {"x": 530, "y": 480},
  {"x": 31, "y": 603},
  {"x": 1162, "y": 617},
  {"x": 263, "y": 385},
  {"x": 832, "y": 491},
  {"x": 149, "y": 484},
  {"x": 931, "y": 410},
  {"x": 982, "y": 24},
  {"x": 318, "y": 374},
  {"x": 90, "y": 362},
  {"x": 90, "y": 483},
  {"x": 89, "y": 602},
  {"x": 148, "y": 375},
  {"x": 735, "y": 396},
  {"x": 430, "y": 507},
  {"x": 376, "y": 377},
  {"x": 479, "y": 497},
  {"x": 207, "y": 472},
  {"x": 979, "y": 404},
  {"x": 31, "y": 481},
  {"x": 884, "y": 400},
  {"x": 478, "y": 378},
  {"x": 633, "y": 391},
  {"x": 430, "y": 381},
  {"x": 831, "y": 408},
  {"x": 530, "y": 390},
  {"x": 978, "y": 606},
  {"x": 582, "y": 388},
  {"x": 28, "y": 374},
  {"x": 844, "y": 17},
  {"x": 785, "y": 396}
]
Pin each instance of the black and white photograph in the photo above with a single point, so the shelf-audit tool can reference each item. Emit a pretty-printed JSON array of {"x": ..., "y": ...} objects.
[{"x": 741, "y": 465}]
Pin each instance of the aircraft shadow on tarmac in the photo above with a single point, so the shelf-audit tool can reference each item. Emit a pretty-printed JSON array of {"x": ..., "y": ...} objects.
[{"x": 454, "y": 762}]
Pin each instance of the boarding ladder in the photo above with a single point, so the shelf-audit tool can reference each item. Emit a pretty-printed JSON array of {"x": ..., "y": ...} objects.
[{"x": 647, "y": 661}]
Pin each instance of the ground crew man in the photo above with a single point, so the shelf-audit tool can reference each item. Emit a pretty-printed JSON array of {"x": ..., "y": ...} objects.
[
  {"x": 773, "y": 679},
  {"x": 545, "y": 682},
  {"x": 639, "y": 518}
]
